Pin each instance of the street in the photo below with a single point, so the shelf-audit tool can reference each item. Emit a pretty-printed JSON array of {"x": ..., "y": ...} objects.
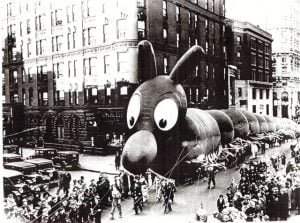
[{"x": 187, "y": 198}]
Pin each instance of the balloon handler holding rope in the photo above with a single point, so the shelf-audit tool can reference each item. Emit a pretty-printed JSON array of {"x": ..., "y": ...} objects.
[{"x": 163, "y": 132}]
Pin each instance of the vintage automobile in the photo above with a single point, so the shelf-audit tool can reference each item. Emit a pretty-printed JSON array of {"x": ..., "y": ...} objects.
[
  {"x": 45, "y": 167},
  {"x": 11, "y": 157},
  {"x": 61, "y": 159},
  {"x": 10, "y": 148},
  {"x": 46, "y": 153},
  {"x": 66, "y": 159},
  {"x": 30, "y": 172},
  {"x": 14, "y": 183}
]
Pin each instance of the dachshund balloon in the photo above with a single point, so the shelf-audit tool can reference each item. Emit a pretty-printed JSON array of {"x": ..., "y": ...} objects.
[{"x": 164, "y": 132}]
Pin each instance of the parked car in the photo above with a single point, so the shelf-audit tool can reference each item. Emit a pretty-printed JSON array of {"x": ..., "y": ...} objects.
[
  {"x": 14, "y": 183},
  {"x": 46, "y": 168},
  {"x": 46, "y": 153},
  {"x": 67, "y": 159},
  {"x": 30, "y": 172},
  {"x": 11, "y": 157},
  {"x": 10, "y": 148},
  {"x": 61, "y": 159}
]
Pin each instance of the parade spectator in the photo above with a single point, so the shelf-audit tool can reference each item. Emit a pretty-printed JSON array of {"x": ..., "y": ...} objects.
[
  {"x": 167, "y": 192},
  {"x": 116, "y": 200},
  {"x": 137, "y": 198},
  {"x": 221, "y": 203},
  {"x": 66, "y": 183},
  {"x": 211, "y": 177},
  {"x": 117, "y": 160}
]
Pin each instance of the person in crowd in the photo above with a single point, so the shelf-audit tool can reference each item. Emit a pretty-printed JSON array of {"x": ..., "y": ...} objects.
[
  {"x": 167, "y": 192},
  {"x": 116, "y": 200},
  {"x": 211, "y": 177},
  {"x": 66, "y": 183},
  {"x": 158, "y": 189},
  {"x": 221, "y": 203},
  {"x": 137, "y": 198},
  {"x": 61, "y": 177},
  {"x": 117, "y": 160}
]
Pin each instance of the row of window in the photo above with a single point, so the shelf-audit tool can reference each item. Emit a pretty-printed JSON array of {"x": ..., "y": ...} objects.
[
  {"x": 261, "y": 93},
  {"x": 259, "y": 61},
  {"x": 254, "y": 110},
  {"x": 210, "y": 5}
]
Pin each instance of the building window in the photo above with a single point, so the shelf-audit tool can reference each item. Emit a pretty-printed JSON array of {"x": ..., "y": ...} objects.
[
  {"x": 240, "y": 92},
  {"x": 190, "y": 18},
  {"x": 21, "y": 28},
  {"x": 238, "y": 55},
  {"x": 23, "y": 75},
  {"x": 223, "y": 8},
  {"x": 238, "y": 40},
  {"x": 260, "y": 61},
  {"x": 177, "y": 40},
  {"x": 68, "y": 39},
  {"x": 261, "y": 93},
  {"x": 213, "y": 49},
  {"x": 106, "y": 64},
  {"x": 69, "y": 68},
  {"x": 122, "y": 62},
  {"x": 206, "y": 71},
  {"x": 57, "y": 42},
  {"x": 74, "y": 40},
  {"x": 268, "y": 109},
  {"x": 206, "y": 47},
  {"x": 213, "y": 6},
  {"x": 89, "y": 66},
  {"x": 189, "y": 40},
  {"x": 28, "y": 26},
  {"x": 71, "y": 13},
  {"x": 30, "y": 91},
  {"x": 177, "y": 14},
  {"x": 165, "y": 34},
  {"x": 40, "y": 22},
  {"x": 141, "y": 29},
  {"x": 253, "y": 59},
  {"x": 30, "y": 78},
  {"x": 88, "y": 8},
  {"x": 267, "y": 63},
  {"x": 253, "y": 43},
  {"x": 206, "y": 26},
  {"x": 254, "y": 108},
  {"x": 75, "y": 68},
  {"x": 89, "y": 37},
  {"x": 60, "y": 131},
  {"x": 165, "y": 65},
  {"x": 253, "y": 75},
  {"x": 196, "y": 21},
  {"x": 253, "y": 93},
  {"x": 56, "y": 17},
  {"x": 164, "y": 8},
  {"x": 206, "y": 4},
  {"x": 267, "y": 93},
  {"x": 213, "y": 72},
  {"x": 105, "y": 33},
  {"x": 121, "y": 29}
]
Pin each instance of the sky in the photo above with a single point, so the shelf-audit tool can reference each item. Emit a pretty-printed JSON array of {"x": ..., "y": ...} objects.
[{"x": 253, "y": 11}]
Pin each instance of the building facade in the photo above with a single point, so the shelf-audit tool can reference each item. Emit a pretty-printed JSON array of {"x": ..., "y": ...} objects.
[
  {"x": 250, "y": 50},
  {"x": 73, "y": 64},
  {"x": 284, "y": 25}
]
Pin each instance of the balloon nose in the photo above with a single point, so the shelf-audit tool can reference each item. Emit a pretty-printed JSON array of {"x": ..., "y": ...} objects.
[{"x": 139, "y": 151}]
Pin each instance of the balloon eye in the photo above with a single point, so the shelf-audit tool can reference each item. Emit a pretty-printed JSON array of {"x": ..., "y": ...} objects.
[
  {"x": 133, "y": 110},
  {"x": 163, "y": 123},
  {"x": 166, "y": 114},
  {"x": 131, "y": 121}
]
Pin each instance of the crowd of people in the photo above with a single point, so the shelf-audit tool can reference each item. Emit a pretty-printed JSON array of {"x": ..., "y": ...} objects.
[
  {"x": 268, "y": 190},
  {"x": 78, "y": 201}
]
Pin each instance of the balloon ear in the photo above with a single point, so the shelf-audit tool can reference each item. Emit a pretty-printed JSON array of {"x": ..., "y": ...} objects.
[
  {"x": 146, "y": 61},
  {"x": 186, "y": 64}
]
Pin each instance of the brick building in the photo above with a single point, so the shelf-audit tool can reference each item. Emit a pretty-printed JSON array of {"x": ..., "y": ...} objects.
[
  {"x": 73, "y": 64},
  {"x": 249, "y": 49}
]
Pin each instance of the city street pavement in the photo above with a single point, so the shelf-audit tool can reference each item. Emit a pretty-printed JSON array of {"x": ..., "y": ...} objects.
[{"x": 187, "y": 198}]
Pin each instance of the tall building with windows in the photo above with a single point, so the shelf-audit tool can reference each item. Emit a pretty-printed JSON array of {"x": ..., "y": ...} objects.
[
  {"x": 250, "y": 50},
  {"x": 284, "y": 25},
  {"x": 73, "y": 63}
]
